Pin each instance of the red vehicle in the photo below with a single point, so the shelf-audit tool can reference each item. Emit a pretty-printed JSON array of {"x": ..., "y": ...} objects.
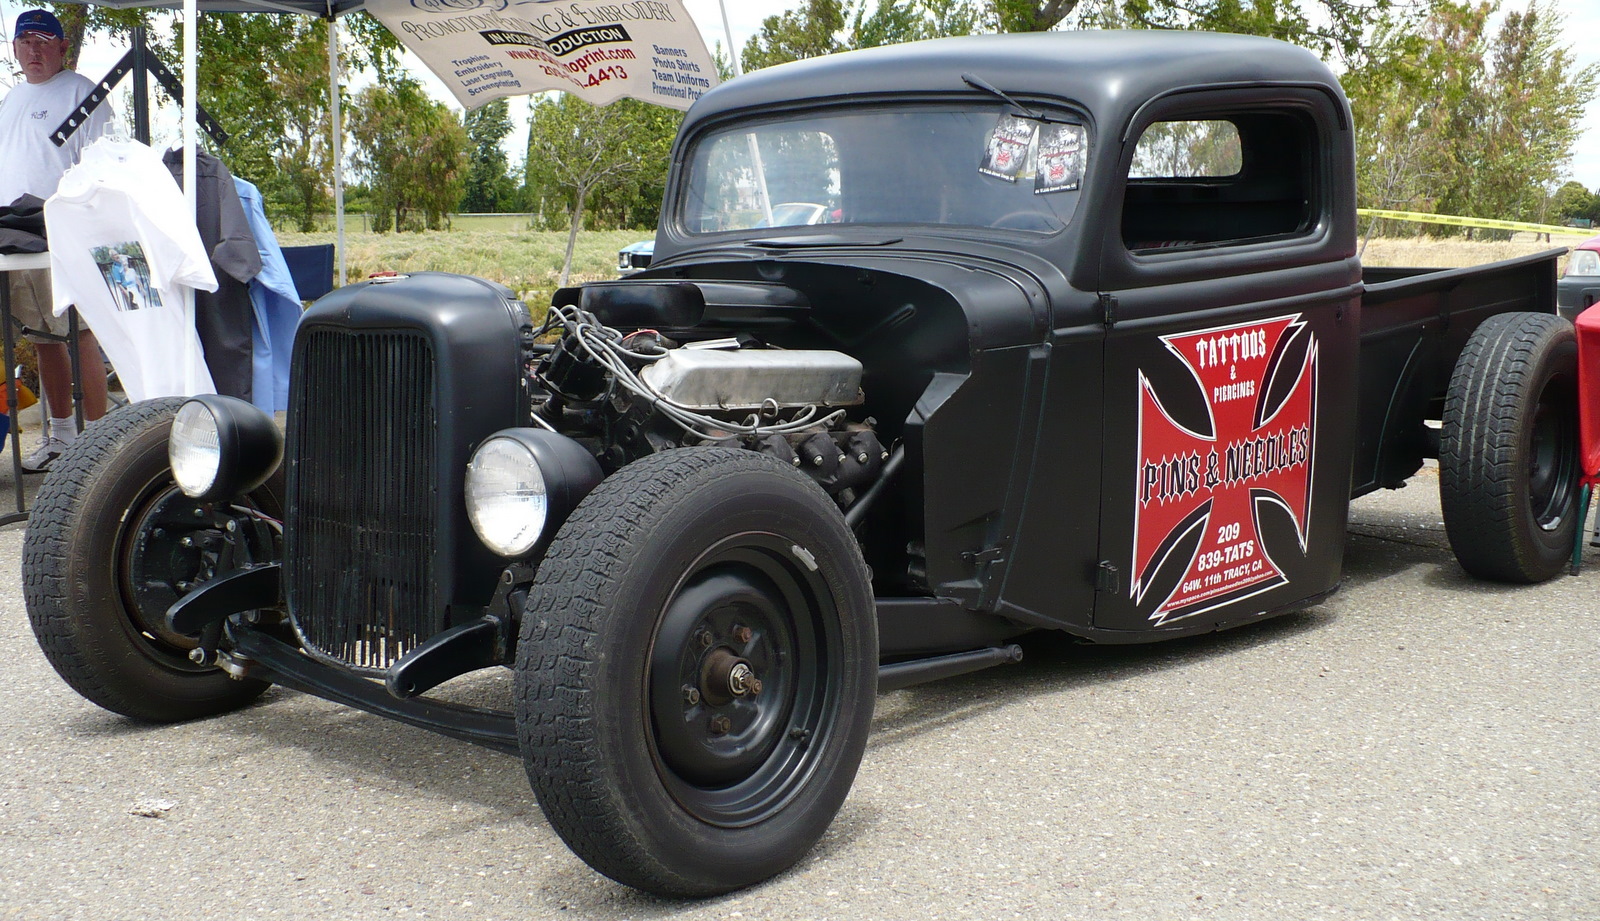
[{"x": 1579, "y": 286}]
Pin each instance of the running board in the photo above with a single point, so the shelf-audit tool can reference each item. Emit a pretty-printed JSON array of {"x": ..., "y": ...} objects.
[{"x": 904, "y": 674}]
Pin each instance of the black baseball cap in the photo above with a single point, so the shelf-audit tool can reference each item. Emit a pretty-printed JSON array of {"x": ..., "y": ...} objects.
[{"x": 43, "y": 22}]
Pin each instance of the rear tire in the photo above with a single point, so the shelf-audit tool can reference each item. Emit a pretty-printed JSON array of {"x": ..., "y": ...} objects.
[
  {"x": 650, "y": 755},
  {"x": 100, "y": 562},
  {"x": 1509, "y": 467}
]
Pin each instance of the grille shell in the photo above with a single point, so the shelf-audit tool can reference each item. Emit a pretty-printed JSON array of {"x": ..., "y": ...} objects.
[
  {"x": 364, "y": 535},
  {"x": 393, "y": 385}
]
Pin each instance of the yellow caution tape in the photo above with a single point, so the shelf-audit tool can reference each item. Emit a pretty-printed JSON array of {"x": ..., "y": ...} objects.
[{"x": 1455, "y": 221}]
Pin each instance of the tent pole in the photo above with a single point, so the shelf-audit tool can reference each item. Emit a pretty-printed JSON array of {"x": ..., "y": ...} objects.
[
  {"x": 338, "y": 163},
  {"x": 141, "y": 86},
  {"x": 191, "y": 55},
  {"x": 733, "y": 53}
]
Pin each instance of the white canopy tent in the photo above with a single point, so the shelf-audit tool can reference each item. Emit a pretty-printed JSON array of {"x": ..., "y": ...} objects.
[
  {"x": 322, "y": 9},
  {"x": 330, "y": 11}
]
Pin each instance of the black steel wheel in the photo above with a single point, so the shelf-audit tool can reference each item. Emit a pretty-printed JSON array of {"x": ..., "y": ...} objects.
[
  {"x": 111, "y": 544},
  {"x": 696, "y": 672},
  {"x": 1509, "y": 464}
]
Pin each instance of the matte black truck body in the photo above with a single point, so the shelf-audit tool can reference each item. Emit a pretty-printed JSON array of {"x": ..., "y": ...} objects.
[{"x": 1072, "y": 335}]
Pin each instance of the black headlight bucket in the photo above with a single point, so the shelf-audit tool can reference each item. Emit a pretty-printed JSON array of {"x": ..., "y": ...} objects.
[
  {"x": 568, "y": 473},
  {"x": 242, "y": 442}
]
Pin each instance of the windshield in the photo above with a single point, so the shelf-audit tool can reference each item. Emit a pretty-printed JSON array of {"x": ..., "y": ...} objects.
[{"x": 968, "y": 166}]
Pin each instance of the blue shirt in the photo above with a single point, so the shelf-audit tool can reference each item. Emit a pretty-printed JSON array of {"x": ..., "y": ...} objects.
[{"x": 277, "y": 308}]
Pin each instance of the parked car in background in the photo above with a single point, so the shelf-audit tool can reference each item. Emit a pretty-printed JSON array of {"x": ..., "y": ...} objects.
[
  {"x": 796, "y": 214},
  {"x": 1579, "y": 286},
  {"x": 635, "y": 256}
]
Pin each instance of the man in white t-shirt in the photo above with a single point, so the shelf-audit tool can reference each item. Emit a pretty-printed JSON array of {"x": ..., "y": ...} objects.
[{"x": 33, "y": 164}]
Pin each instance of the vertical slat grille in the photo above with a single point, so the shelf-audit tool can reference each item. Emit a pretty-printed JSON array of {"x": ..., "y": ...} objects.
[{"x": 363, "y": 507}]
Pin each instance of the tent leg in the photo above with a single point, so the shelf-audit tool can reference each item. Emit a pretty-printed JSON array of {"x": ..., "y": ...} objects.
[
  {"x": 1582, "y": 537},
  {"x": 338, "y": 136}
]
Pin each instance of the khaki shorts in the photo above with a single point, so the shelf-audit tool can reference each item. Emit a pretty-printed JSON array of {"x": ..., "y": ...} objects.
[{"x": 30, "y": 304}]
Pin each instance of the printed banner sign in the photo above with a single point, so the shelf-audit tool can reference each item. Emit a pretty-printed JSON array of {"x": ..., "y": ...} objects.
[
  {"x": 1212, "y": 484},
  {"x": 602, "y": 50}
]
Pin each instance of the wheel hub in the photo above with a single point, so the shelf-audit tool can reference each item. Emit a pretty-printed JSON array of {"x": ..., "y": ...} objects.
[
  {"x": 725, "y": 677},
  {"x": 721, "y": 678}
]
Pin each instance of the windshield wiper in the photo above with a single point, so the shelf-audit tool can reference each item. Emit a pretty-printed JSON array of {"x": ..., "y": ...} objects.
[{"x": 978, "y": 83}]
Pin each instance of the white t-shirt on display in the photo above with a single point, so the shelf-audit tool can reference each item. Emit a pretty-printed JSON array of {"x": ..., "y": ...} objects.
[
  {"x": 125, "y": 251},
  {"x": 31, "y": 112}
]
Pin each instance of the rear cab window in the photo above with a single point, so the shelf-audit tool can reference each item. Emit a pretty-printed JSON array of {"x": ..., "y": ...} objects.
[{"x": 1222, "y": 180}]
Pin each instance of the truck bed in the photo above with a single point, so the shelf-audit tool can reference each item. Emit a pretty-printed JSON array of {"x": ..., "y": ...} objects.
[{"x": 1414, "y": 324}]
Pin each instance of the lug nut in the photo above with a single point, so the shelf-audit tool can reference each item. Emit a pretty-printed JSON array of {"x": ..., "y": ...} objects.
[
  {"x": 704, "y": 638},
  {"x": 743, "y": 634},
  {"x": 691, "y": 694},
  {"x": 742, "y": 681},
  {"x": 720, "y": 725}
]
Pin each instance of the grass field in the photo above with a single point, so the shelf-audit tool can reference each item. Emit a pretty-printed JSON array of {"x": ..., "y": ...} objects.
[
  {"x": 526, "y": 261},
  {"x": 529, "y": 262}
]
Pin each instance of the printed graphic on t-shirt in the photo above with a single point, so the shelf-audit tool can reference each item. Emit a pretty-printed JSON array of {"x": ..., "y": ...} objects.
[{"x": 127, "y": 275}]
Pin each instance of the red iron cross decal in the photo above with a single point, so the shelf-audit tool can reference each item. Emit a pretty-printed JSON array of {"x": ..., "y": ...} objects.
[{"x": 1255, "y": 453}]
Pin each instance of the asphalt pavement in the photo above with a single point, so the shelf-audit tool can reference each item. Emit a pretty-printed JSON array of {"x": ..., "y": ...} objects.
[{"x": 1422, "y": 745}]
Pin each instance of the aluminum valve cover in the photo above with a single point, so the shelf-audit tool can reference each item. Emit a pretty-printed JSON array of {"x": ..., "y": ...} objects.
[{"x": 747, "y": 379}]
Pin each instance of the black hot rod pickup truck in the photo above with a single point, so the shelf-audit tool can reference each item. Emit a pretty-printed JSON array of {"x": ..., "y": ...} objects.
[{"x": 1072, "y": 336}]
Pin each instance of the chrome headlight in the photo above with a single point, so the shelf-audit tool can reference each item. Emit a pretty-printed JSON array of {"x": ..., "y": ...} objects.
[
  {"x": 522, "y": 483},
  {"x": 221, "y": 447}
]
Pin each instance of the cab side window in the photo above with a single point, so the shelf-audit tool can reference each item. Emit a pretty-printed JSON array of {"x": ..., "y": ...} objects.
[{"x": 1221, "y": 180}]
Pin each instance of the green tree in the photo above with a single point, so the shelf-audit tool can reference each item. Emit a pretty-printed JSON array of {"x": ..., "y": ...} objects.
[
  {"x": 811, "y": 31},
  {"x": 1031, "y": 15},
  {"x": 576, "y": 150},
  {"x": 489, "y": 186},
  {"x": 1405, "y": 98},
  {"x": 79, "y": 21},
  {"x": 274, "y": 106},
  {"x": 1458, "y": 119},
  {"x": 893, "y": 21},
  {"x": 1529, "y": 109},
  {"x": 412, "y": 153},
  {"x": 264, "y": 77},
  {"x": 1572, "y": 200}
]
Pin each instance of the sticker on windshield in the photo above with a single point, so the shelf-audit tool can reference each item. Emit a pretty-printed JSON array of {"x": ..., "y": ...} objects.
[
  {"x": 1007, "y": 151},
  {"x": 1060, "y": 159}
]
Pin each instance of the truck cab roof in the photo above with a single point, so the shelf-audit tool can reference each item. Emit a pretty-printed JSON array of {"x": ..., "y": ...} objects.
[{"x": 1109, "y": 73}]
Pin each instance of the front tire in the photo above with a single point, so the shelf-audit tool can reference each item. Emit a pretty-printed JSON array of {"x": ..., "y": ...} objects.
[
  {"x": 696, "y": 672},
  {"x": 102, "y": 561},
  {"x": 1509, "y": 467}
]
